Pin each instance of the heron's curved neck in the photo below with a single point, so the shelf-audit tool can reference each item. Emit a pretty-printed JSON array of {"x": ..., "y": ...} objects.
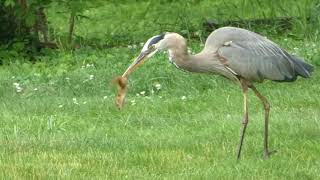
[
  {"x": 179, "y": 54},
  {"x": 203, "y": 62}
]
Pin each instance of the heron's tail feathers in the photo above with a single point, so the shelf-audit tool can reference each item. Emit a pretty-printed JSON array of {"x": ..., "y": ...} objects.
[{"x": 302, "y": 68}]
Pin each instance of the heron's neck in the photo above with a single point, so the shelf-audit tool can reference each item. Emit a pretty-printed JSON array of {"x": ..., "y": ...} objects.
[
  {"x": 203, "y": 62},
  {"x": 178, "y": 55}
]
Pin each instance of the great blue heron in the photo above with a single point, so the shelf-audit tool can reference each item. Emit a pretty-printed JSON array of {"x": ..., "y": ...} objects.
[{"x": 237, "y": 54}]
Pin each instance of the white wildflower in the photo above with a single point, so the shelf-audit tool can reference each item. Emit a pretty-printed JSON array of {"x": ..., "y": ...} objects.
[
  {"x": 89, "y": 65},
  {"x": 142, "y": 93},
  {"x": 60, "y": 106},
  {"x": 85, "y": 102},
  {"x": 19, "y": 89},
  {"x": 75, "y": 101},
  {"x": 133, "y": 102},
  {"x": 67, "y": 78},
  {"x": 197, "y": 33},
  {"x": 158, "y": 86},
  {"x": 35, "y": 89},
  {"x": 183, "y": 98},
  {"x": 91, "y": 77},
  {"x": 295, "y": 48},
  {"x": 137, "y": 94},
  {"x": 129, "y": 46},
  {"x": 105, "y": 97}
]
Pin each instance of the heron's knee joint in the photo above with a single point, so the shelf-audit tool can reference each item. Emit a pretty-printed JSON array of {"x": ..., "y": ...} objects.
[
  {"x": 267, "y": 106},
  {"x": 244, "y": 123},
  {"x": 245, "y": 120}
]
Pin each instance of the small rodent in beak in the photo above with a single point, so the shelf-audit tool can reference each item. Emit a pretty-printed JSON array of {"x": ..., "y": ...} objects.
[{"x": 122, "y": 85}]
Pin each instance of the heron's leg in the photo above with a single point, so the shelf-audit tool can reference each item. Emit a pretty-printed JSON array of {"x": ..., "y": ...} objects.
[
  {"x": 245, "y": 117},
  {"x": 266, "y": 106}
]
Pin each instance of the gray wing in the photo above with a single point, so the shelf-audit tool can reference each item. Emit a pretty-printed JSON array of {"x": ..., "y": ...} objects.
[{"x": 256, "y": 59}]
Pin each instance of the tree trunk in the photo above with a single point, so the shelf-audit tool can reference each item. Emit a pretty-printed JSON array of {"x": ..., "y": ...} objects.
[
  {"x": 21, "y": 23},
  {"x": 71, "y": 27},
  {"x": 42, "y": 24}
]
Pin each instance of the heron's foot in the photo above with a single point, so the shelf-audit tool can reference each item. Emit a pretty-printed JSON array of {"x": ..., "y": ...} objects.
[
  {"x": 245, "y": 119},
  {"x": 238, "y": 154},
  {"x": 267, "y": 153}
]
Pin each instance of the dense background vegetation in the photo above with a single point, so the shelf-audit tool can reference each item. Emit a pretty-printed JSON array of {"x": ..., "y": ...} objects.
[
  {"x": 58, "y": 118},
  {"x": 31, "y": 25}
]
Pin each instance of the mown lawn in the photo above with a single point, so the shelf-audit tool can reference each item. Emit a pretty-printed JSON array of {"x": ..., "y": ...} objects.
[{"x": 63, "y": 123}]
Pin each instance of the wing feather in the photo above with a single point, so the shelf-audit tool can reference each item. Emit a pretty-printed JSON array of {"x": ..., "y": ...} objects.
[{"x": 257, "y": 59}]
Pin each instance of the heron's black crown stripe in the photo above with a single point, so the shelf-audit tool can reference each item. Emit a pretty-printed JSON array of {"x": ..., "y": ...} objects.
[{"x": 156, "y": 39}]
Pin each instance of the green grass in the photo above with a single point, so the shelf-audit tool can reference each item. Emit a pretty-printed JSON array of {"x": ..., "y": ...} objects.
[
  {"x": 114, "y": 24},
  {"x": 45, "y": 135}
]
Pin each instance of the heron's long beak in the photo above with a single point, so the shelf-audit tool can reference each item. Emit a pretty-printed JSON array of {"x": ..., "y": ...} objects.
[{"x": 139, "y": 61}]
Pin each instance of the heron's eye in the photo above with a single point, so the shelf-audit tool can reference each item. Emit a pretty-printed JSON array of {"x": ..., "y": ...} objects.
[{"x": 153, "y": 46}]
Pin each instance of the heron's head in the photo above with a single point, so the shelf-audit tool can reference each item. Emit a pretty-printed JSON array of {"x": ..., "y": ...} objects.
[{"x": 154, "y": 44}]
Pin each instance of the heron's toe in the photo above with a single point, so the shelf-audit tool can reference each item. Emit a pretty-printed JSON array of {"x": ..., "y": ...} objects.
[{"x": 268, "y": 153}]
